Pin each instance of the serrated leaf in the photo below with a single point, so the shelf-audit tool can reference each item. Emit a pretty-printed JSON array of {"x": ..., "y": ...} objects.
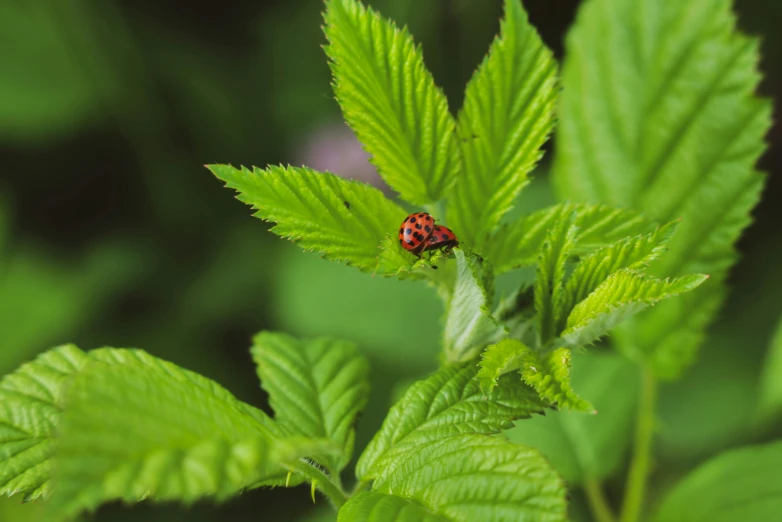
[
  {"x": 548, "y": 374},
  {"x": 550, "y": 274},
  {"x": 447, "y": 403},
  {"x": 497, "y": 360},
  {"x": 632, "y": 252},
  {"x": 30, "y": 405},
  {"x": 621, "y": 295},
  {"x": 518, "y": 244},
  {"x": 390, "y": 100},
  {"x": 741, "y": 484},
  {"x": 469, "y": 324},
  {"x": 145, "y": 428},
  {"x": 473, "y": 477},
  {"x": 659, "y": 113},
  {"x": 584, "y": 446},
  {"x": 368, "y": 506},
  {"x": 316, "y": 388},
  {"x": 341, "y": 219},
  {"x": 507, "y": 115}
]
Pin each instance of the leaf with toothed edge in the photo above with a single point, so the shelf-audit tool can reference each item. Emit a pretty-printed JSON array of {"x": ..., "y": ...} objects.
[
  {"x": 447, "y": 403},
  {"x": 390, "y": 100},
  {"x": 316, "y": 387},
  {"x": 507, "y": 115},
  {"x": 659, "y": 112},
  {"x": 368, "y": 506},
  {"x": 308, "y": 208}
]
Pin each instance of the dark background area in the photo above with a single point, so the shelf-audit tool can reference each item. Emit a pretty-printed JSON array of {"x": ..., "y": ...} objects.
[{"x": 113, "y": 233}]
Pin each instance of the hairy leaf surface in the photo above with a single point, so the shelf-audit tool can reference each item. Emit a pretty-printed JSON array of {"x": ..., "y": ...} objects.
[
  {"x": 341, "y": 219},
  {"x": 390, "y": 100},
  {"x": 316, "y": 387},
  {"x": 472, "y": 477},
  {"x": 447, "y": 403},
  {"x": 469, "y": 325},
  {"x": 508, "y": 113},
  {"x": 622, "y": 295}
]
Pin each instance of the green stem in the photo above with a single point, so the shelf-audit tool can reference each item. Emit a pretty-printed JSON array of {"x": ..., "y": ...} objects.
[
  {"x": 322, "y": 481},
  {"x": 597, "y": 501},
  {"x": 642, "y": 449}
]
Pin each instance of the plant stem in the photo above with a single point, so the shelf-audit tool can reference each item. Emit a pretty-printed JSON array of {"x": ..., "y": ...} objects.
[
  {"x": 323, "y": 482},
  {"x": 642, "y": 449},
  {"x": 597, "y": 501}
]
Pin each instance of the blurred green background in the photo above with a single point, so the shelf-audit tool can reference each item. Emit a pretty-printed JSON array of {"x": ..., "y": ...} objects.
[{"x": 113, "y": 233}]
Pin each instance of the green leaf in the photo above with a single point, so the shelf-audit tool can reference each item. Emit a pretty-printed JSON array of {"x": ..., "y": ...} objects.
[
  {"x": 508, "y": 114},
  {"x": 447, "y": 403},
  {"x": 473, "y": 477},
  {"x": 391, "y": 101},
  {"x": 770, "y": 400},
  {"x": 633, "y": 252},
  {"x": 622, "y": 295},
  {"x": 30, "y": 405},
  {"x": 584, "y": 446},
  {"x": 548, "y": 374},
  {"x": 519, "y": 243},
  {"x": 376, "y": 507},
  {"x": 469, "y": 324},
  {"x": 341, "y": 219},
  {"x": 316, "y": 388},
  {"x": 140, "y": 427},
  {"x": 659, "y": 113},
  {"x": 550, "y": 274},
  {"x": 741, "y": 484}
]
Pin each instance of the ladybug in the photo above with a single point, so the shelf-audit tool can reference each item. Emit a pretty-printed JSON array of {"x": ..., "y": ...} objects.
[
  {"x": 415, "y": 231},
  {"x": 442, "y": 238}
]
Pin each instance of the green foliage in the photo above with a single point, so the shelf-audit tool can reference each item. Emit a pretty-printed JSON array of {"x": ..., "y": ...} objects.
[
  {"x": 507, "y": 115},
  {"x": 584, "y": 446},
  {"x": 547, "y": 373},
  {"x": 469, "y": 325},
  {"x": 632, "y": 253},
  {"x": 550, "y": 275},
  {"x": 316, "y": 388},
  {"x": 140, "y": 427},
  {"x": 377, "y": 507},
  {"x": 448, "y": 403},
  {"x": 770, "y": 394},
  {"x": 472, "y": 477},
  {"x": 30, "y": 405},
  {"x": 659, "y": 113},
  {"x": 343, "y": 220},
  {"x": 623, "y": 294},
  {"x": 390, "y": 100},
  {"x": 741, "y": 484}
]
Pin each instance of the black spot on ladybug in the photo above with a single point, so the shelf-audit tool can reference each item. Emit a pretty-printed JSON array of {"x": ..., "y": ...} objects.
[
  {"x": 347, "y": 205},
  {"x": 419, "y": 237},
  {"x": 445, "y": 237},
  {"x": 421, "y": 215},
  {"x": 401, "y": 230},
  {"x": 409, "y": 241},
  {"x": 412, "y": 220},
  {"x": 428, "y": 228},
  {"x": 418, "y": 226},
  {"x": 437, "y": 227},
  {"x": 408, "y": 231}
]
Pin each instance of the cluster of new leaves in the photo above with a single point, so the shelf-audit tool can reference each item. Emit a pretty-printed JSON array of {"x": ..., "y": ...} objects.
[
  {"x": 480, "y": 161},
  {"x": 121, "y": 424}
]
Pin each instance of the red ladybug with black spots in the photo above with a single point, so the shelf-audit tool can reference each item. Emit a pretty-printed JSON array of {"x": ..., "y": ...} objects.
[
  {"x": 442, "y": 238},
  {"x": 414, "y": 232}
]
